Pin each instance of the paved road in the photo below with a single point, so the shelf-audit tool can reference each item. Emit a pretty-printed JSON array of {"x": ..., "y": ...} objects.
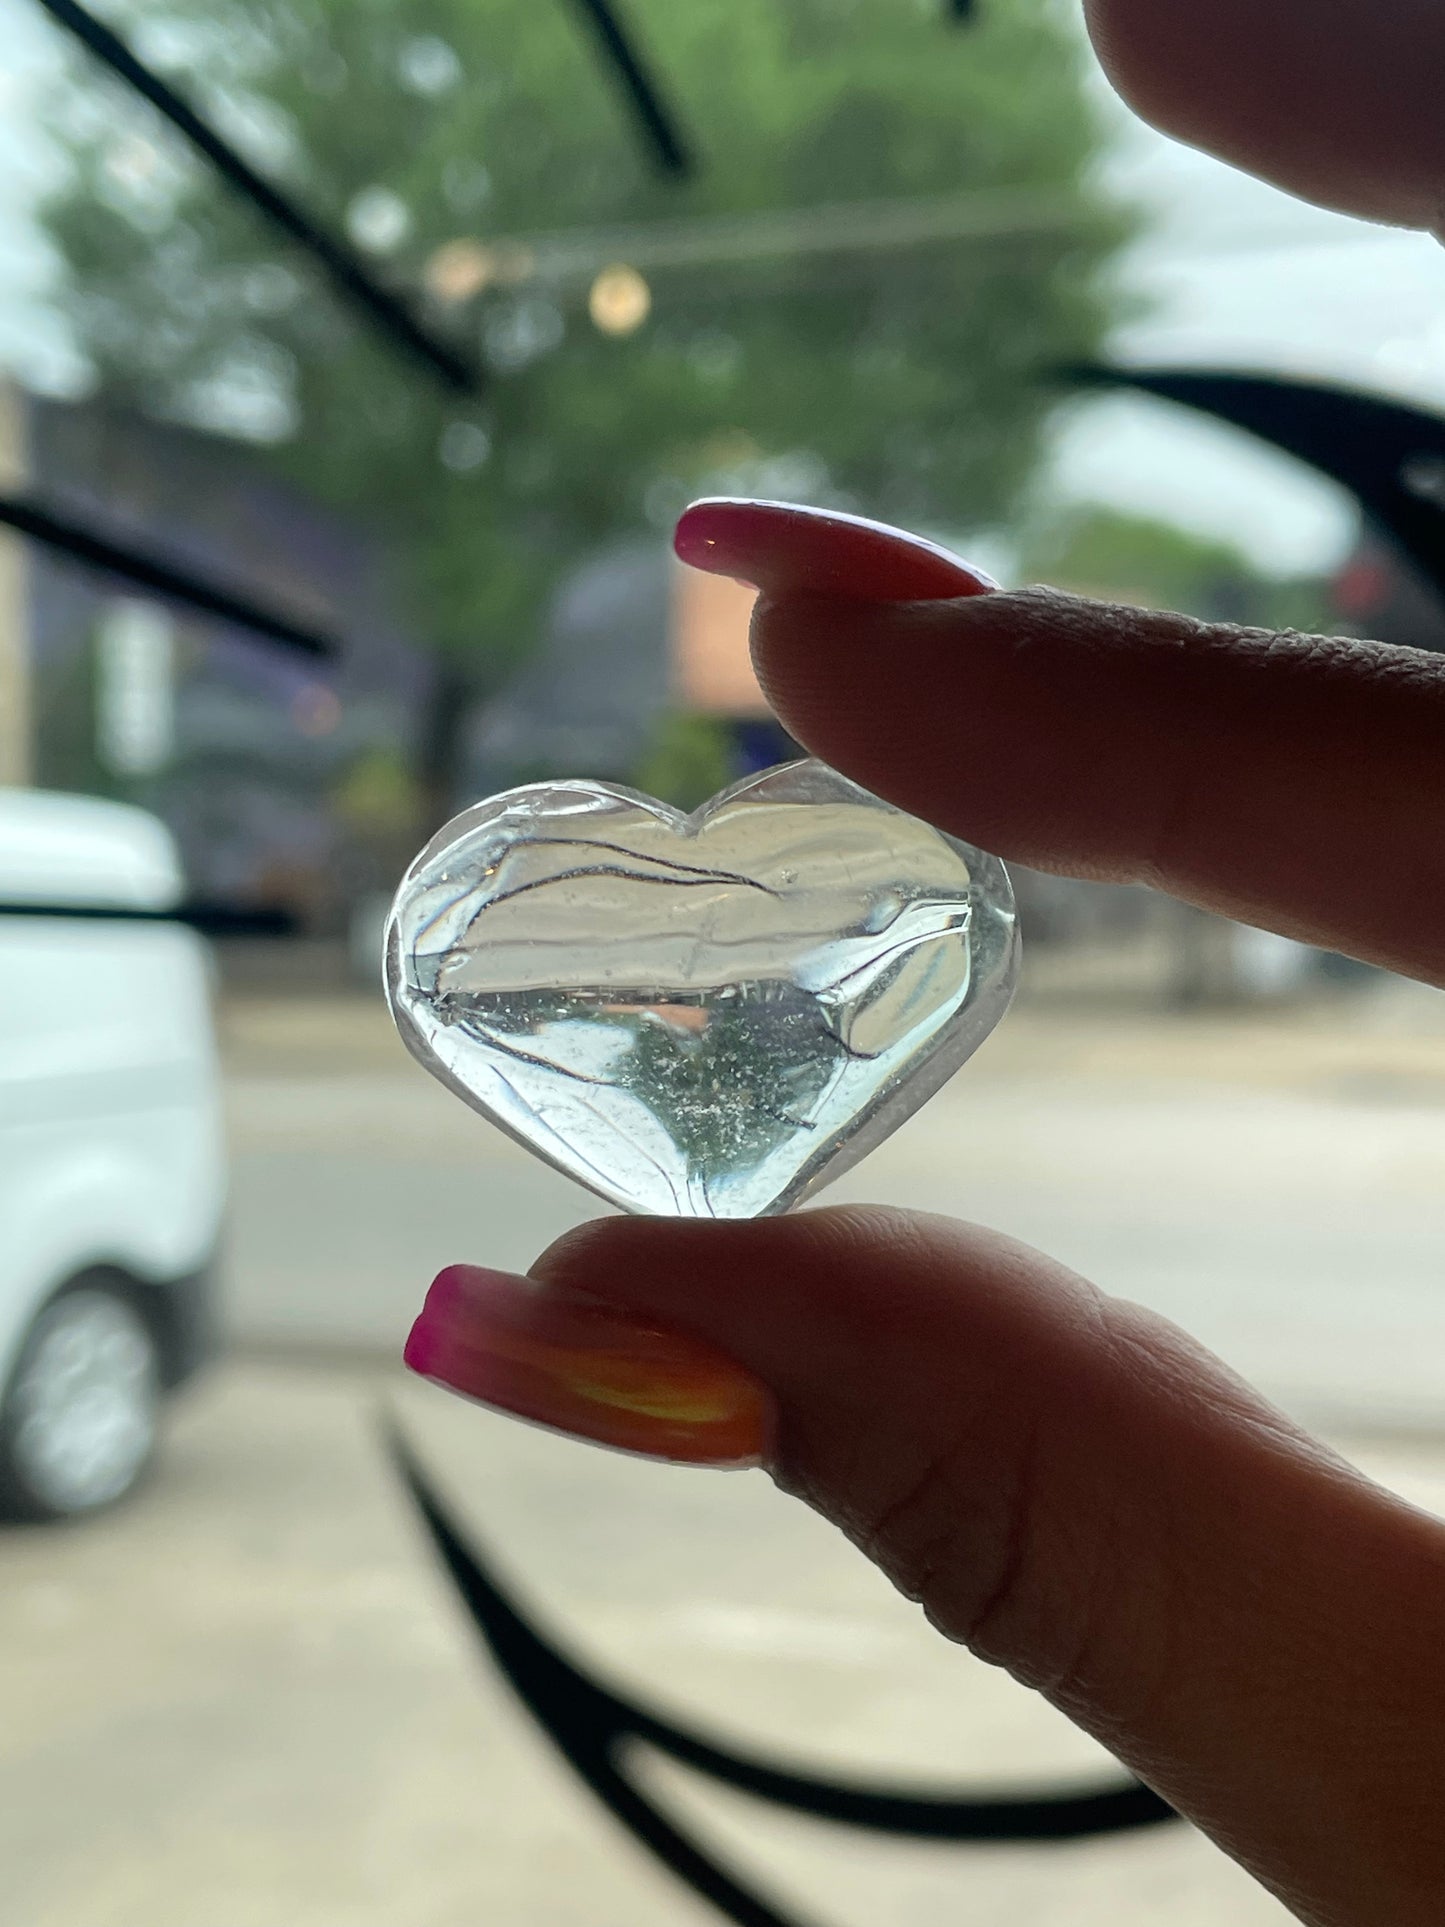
[
  {"x": 248, "y": 1699},
  {"x": 1277, "y": 1185}
]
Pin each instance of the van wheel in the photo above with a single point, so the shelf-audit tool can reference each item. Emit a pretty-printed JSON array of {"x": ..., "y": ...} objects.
[{"x": 79, "y": 1418}]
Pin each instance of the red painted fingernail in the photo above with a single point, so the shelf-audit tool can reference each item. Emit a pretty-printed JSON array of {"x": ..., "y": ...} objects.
[
  {"x": 784, "y": 549},
  {"x": 588, "y": 1368}
]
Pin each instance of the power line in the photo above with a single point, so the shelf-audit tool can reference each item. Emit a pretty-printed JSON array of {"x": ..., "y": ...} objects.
[
  {"x": 850, "y": 227},
  {"x": 845, "y": 227},
  {"x": 347, "y": 276}
]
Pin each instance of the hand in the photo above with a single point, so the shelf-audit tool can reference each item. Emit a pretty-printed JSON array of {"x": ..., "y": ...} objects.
[
  {"x": 1065, "y": 1482},
  {"x": 1068, "y": 1484}
]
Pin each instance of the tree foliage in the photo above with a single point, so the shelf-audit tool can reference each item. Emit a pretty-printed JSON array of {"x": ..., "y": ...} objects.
[
  {"x": 1134, "y": 558},
  {"x": 908, "y": 381}
]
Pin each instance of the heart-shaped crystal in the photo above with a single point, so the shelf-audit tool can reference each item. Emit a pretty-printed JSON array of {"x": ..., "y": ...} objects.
[{"x": 704, "y": 1016}]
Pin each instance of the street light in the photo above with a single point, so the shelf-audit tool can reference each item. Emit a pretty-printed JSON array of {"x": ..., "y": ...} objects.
[{"x": 619, "y": 301}]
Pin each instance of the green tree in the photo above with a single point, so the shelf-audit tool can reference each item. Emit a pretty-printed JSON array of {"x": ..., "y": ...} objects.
[
  {"x": 689, "y": 759},
  {"x": 1133, "y": 558},
  {"x": 903, "y": 379}
]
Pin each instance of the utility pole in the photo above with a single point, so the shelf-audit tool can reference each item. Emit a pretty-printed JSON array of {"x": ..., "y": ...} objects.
[{"x": 15, "y": 707}]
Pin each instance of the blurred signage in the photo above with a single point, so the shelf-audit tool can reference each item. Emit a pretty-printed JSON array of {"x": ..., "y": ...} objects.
[
  {"x": 712, "y": 672},
  {"x": 135, "y": 714}
]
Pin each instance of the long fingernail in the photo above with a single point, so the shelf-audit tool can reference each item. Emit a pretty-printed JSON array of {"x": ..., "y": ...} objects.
[
  {"x": 783, "y": 548},
  {"x": 588, "y": 1368}
]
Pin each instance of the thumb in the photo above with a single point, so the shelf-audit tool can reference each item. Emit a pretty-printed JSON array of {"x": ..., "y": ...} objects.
[{"x": 1066, "y": 1483}]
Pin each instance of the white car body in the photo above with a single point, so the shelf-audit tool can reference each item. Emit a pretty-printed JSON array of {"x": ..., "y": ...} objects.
[{"x": 111, "y": 1148}]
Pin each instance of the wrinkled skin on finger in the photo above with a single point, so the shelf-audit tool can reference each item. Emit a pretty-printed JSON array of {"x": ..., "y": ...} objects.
[{"x": 1072, "y": 1487}]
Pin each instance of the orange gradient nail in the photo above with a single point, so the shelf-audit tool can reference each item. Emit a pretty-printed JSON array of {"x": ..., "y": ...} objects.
[{"x": 588, "y": 1368}]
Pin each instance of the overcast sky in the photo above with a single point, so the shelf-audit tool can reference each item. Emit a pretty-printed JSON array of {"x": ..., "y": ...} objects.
[
  {"x": 1232, "y": 273},
  {"x": 1237, "y": 274}
]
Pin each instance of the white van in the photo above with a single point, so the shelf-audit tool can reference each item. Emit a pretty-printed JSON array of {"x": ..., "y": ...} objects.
[{"x": 112, "y": 1167}]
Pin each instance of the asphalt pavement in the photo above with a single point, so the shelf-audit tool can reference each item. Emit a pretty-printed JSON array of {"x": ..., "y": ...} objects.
[
  {"x": 1272, "y": 1180},
  {"x": 249, "y": 1697}
]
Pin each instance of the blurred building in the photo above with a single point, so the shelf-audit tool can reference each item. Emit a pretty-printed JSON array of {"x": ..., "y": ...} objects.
[
  {"x": 285, "y": 779},
  {"x": 588, "y": 699},
  {"x": 631, "y": 639}
]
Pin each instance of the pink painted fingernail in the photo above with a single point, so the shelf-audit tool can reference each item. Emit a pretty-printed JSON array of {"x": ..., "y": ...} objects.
[
  {"x": 785, "y": 549},
  {"x": 582, "y": 1366}
]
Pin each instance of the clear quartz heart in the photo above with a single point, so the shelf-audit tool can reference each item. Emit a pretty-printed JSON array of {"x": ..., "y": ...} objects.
[{"x": 706, "y": 1016}]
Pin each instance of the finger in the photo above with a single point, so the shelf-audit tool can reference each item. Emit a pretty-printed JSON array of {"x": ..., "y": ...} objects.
[
  {"x": 1075, "y": 1490},
  {"x": 1336, "y": 100},
  {"x": 1296, "y": 782}
]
